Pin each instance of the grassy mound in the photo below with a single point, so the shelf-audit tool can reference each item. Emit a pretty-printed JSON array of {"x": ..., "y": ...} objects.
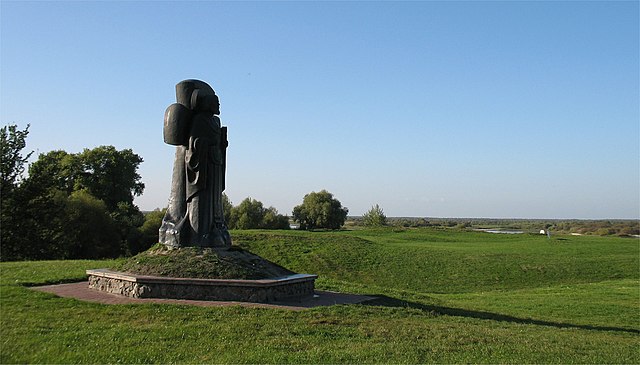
[{"x": 202, "y": 263}]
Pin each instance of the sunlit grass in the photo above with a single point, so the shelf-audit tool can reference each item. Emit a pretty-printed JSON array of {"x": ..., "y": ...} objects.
[{"x": 436, "y": 305}]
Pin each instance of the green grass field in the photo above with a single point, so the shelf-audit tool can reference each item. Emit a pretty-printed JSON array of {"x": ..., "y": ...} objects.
[{"x": 446, "y": 296}]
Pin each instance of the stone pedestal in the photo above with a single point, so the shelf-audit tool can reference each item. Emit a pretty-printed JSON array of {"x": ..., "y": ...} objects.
[{"x": 289, "y": 287}]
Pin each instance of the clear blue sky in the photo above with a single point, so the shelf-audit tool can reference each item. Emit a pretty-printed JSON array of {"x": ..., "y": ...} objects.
[{"x": 430, "y": 109}]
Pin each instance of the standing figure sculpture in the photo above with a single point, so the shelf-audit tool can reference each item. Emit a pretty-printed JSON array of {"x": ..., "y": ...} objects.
[{"x": 195, "y": 215}]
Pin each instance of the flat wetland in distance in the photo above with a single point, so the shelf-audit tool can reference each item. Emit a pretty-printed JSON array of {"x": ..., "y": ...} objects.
[{"x": 444, "y": 296}]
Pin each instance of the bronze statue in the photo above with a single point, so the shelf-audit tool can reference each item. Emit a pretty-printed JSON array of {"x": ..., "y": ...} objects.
[{"x": 195, "y": 215}]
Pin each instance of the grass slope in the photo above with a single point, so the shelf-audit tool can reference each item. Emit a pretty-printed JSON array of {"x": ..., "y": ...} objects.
[
  {"x": 448, "y": 261},
  {"x": 568, "y": 300}
]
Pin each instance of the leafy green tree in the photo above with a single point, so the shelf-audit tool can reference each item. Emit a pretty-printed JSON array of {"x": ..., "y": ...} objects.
[
  {"x": 55, "y": 225},
  {"x": 12, "y": 212},
  {"x": 12, "y": 142},
  {"x": 106, "y": 173},
  {"x": 63, "y": 188},
  {"x": 320, "y": 210},
  {"x": 21, "y": 229},
  {"x": 89, "y": 232},
  {"x": 128, "y": 219},
  {"x": 110, "y": 175},
  {"x": 272, "y": 220},
  {"x": 248, "y": 215},
  {"x": 53, "y": 170},
  {"x": 39, "y": 217},
  {"x": 40, "y": 223},
  {"x": 251, "y": 214},
  {"x": 374, "y": 217}
]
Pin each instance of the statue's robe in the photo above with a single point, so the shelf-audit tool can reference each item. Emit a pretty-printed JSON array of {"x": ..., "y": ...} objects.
[
  {"x": 202, "y": 185},
  {"x": 195, "y": 216}
]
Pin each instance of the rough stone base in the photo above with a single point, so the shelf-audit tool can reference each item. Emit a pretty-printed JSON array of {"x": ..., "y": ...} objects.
[{"x": 290, "y": 287}]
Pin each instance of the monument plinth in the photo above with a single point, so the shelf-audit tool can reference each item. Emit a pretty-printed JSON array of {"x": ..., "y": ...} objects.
[
  {"x": 283, "y": 288},
  {"x": 198, "y": 260}
]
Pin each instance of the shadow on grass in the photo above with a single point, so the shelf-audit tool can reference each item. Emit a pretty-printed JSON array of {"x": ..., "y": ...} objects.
[{"x": 385, "y": 301}]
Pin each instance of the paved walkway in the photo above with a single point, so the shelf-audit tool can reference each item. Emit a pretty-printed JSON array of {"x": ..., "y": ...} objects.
[{"x": 81, "y": 291}]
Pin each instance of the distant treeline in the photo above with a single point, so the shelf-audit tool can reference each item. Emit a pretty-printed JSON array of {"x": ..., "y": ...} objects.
[
  {"x": 612, "y": 227},
  {"x": 599, "y": 227}
]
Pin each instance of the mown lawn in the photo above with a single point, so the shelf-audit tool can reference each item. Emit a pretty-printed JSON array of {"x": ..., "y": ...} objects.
[{"x": 446, "y": 296}]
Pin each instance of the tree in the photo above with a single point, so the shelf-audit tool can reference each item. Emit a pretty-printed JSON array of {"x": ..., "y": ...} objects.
[
  {"x": 128, "y": 219},
  {"x": 110, "y": 175},
  {"x": 12, "y": 142},
  {"x": 251, "y": 214},
  {"x": 39, "y": 227},
  {"x": 320, "y": 210},
  {"x": 374, "y": 217},
  {"x": 65, "y": 194},
  {"x": 89, "y": 232},
  {"x": 272, "y": 220},
  {"x": 55, "y": 225},
  {"x": 248, "y": 215},
  {"x": 53, "y": 170},
  {"x": 104, "y": 172}
]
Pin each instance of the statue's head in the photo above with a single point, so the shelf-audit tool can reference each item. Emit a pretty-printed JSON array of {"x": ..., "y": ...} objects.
[{"x": 197, "y": 96}]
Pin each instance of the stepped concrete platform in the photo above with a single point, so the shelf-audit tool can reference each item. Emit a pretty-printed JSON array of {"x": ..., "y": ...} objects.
[{"x": 286, "y": 288}]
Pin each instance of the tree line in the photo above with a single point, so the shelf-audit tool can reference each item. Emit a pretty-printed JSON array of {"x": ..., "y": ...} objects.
[
  {"x": 70, "y": 205},
  {"x": 602, "y": 227},
  {"x": 80, "y": 205}
]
